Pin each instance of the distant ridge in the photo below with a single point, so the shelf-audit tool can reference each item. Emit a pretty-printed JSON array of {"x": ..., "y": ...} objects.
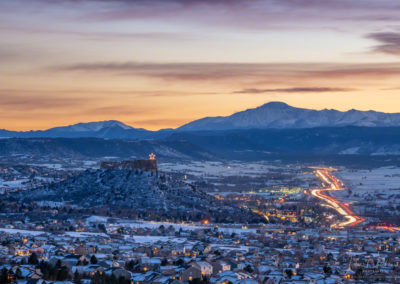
[
  {"x": 92, "y": 126},
  {"x": 98, "y": 129},
  {"x": 275, "y": 115}
]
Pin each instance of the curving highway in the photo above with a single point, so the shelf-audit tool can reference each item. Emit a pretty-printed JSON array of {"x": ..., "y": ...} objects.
[{"x": 335, "y": 184}]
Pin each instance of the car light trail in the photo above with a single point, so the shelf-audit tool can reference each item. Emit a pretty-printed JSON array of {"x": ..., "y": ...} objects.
[
  {"x": 335, "y": 184},
  {"x": 389, "y": 228}
]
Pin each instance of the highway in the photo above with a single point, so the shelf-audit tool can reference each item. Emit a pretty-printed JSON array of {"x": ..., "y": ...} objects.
[{"x": 334, "y": 184}]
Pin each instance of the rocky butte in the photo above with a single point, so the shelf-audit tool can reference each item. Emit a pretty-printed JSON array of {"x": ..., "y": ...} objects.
[{"x": 144, "y": 165}]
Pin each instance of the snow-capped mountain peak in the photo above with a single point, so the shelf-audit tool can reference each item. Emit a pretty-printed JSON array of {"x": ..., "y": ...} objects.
[
  {"x": 93, "y": 126},
  {"x": 281, "y": 115},
  {"x": 274, "y": 105}
]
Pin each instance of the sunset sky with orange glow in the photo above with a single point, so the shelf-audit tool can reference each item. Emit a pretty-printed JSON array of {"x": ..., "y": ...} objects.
[{"x": 160, "y": 64}]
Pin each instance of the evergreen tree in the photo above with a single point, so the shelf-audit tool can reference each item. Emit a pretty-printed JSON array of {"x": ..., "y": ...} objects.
[
  {"x": 77, "y": 278},
  {"x": 4, "y": 276},
  {"x": 289, "y": 273},
  {"x": 62, "y": 274},
  {"x": 249, "y": 269},
  {"x": 18, "y": 273},
  {"x": 327, "y": 270},
  {"x": 33, "y": 259},
  {"x": 93, "y": 259}
]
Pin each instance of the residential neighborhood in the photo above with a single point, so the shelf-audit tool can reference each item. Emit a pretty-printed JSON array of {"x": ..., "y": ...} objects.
[{"x": 147, "y": 252}]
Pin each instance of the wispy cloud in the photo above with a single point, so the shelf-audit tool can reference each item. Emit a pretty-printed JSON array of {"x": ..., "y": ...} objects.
[
  {"x": 119, "y": 110},
  {"x": 225, "y": 71},
  {"x": 6, "y": 53},
  {"x": 15, "y": 53},
  {"x": 21, "y": 101},
  {"x": 389, "y": 42},
  {"x": 293, "y": 90},
  {"x": 98, "y": 35},
  {"x": 255, "y": 14},
  {"x": 252, "y": 11}
]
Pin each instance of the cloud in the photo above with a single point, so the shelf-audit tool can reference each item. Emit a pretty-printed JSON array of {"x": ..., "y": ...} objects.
[
  {"x": 240, "y": 71},
  {"x": 6, "y": 53},
  {"x": 389, "y": 42},
  {"x": 93, "y": 35},
  {"x": 13, "y": 53},
  {"x": 182, "y": 71},
  {"x": 293, "y": 90},
  {"x": 22, "y": 101},
  {"x": 254, "y": 15},
  {"x": 390, "y": 89},
  {"x": 257, "y": 15}
]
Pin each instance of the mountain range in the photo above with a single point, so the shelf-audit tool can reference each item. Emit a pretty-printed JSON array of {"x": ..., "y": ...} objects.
[
  {"x": 99, "y": 129},
  {"x": 280, "y": 115},
  {"x": 273, "y": 131},
  {"x": 274, "y": 115}
]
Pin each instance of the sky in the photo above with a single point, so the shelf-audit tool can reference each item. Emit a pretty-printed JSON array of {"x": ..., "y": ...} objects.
[{"x": 162, "y": 63}]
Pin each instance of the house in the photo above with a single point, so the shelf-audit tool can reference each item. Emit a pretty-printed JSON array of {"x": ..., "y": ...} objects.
[
  {"x": 191, "y": 273},
  {"x": 36, "y": 281},
  {"x": 205, "y": 268},
  {"x": 231, "y": 277},
  {"x": 220, "y": 266},
  {"x": 81, "y": 250},
  {"x": 119, "y": 272}
]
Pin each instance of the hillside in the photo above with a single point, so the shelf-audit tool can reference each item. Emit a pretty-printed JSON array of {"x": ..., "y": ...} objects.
[
  {"x": 138, "y": 195},
  {"x": 324, "y": 140},
  {"x": 96, "y": 148},
  {"x": 240, "y": 144}
]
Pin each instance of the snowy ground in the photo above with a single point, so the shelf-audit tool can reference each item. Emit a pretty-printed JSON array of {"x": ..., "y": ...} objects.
[
  {"x": 22, "y": 232},
  {"x": 37, "y": 233},
  {"x": 134, "y": 224},
  {"x": 238, "y": 176},
  {"x": 375, "y": 179},
  {"x": 154, "y": 225},
  {"x": 84, "y": 234},
  {"x": 218, "y": 169},
  {"x": 374, "y": 192},
  {"x": 154, "y": 239},
  {"x": 13, "y": 183}
]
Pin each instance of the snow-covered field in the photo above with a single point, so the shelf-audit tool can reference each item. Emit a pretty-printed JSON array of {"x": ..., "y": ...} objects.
[
  {"x": 230, "y": 248},
  {"x": 13, "y": 183},
  {"x": 235, "y": 176},
  {"x": 51, "y": 204},
  {"x": 154, "y": 225},
  {"x": 22, "y": 232},
  {"x": 84, "y": 234},
  {"x": 375, "y": 179},
  {"x": 374, "y": 192},
  {"x": 154, "y": 239},
  {"x": 50, "y": 166},
  {"x": 37, "y": 233},
  {"x": 133, "y": 224},
  {"x": 218, "y": 169}
]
